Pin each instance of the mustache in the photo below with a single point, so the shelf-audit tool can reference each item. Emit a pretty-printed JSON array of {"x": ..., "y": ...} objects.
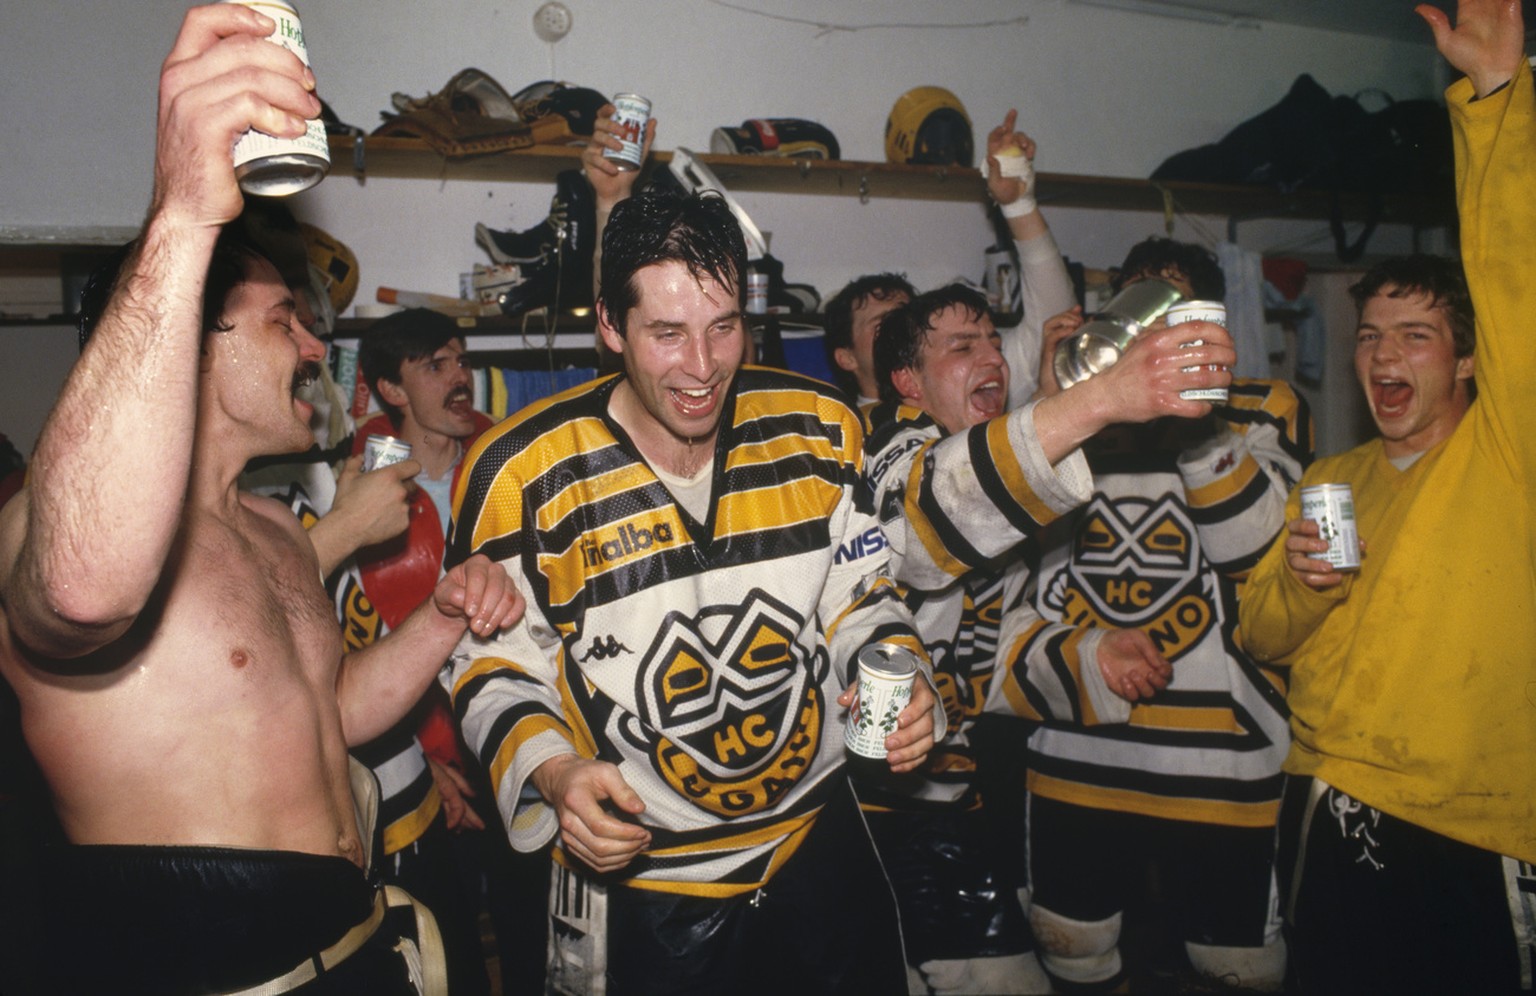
[{"x": 458, "y": 394}]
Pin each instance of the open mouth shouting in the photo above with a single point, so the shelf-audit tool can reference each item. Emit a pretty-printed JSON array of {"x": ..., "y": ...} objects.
[
  {"x": 990, "y": 398},
  {"x": 1390, "y": 397},
  {"x": 305, "y": 375},
  {"x": 459, "y": 402}
]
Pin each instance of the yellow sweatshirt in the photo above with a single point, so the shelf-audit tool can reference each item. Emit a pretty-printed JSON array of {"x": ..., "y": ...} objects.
[{"x": 1413, "y": 684}]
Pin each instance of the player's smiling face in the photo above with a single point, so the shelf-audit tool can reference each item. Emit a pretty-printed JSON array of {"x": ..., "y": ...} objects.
[
  {"x": 255, "y": 367},
  {"x": 1405, "y": 360},
  {"x": 682, "y": 346}
]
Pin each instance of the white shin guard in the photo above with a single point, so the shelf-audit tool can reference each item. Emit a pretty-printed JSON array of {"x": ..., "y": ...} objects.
[
  {"x": 1010, "y": 974},
  {"x": 1261, "y": 968},
  {"x": 1083, "y": 952}
]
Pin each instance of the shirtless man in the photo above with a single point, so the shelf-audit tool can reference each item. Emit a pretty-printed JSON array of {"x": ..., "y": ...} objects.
[{"x": 179, "y": 670}]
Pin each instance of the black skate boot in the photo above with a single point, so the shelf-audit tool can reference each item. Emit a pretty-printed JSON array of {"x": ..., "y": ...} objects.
[{"x": 557, "y": 252}]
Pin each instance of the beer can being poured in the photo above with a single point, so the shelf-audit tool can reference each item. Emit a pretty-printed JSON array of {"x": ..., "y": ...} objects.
[{"x": 276, "y": 167}]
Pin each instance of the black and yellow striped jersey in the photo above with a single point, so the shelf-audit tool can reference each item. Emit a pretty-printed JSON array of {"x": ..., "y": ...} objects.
[
  {"x": 1181, "y": 511},
  {"x": 956, "y": 509},
  {"x": 949, "y": 509},
  {"x": 703, "y": 658}
]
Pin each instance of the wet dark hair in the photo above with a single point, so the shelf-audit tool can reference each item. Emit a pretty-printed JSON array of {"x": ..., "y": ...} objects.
[
  {"x": 903, "y": 330},
  {"x": 837, "y": 317},
  {"x": 659, "y": 226},
  {"x": 269, "y": 225},
  {"x": 1158, "y": 257},
  {"x": 392, "y": 340},
  {"x": 1440, "y": 278},
  {"x": 231, "y": 264}
]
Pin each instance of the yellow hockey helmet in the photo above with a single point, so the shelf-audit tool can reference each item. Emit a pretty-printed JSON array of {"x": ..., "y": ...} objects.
[
  {"x": 335, "y": 262},
  {"x": 929, "y": 126}
]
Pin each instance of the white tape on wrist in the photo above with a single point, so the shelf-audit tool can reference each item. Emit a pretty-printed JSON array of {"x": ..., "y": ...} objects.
[
  {"x": 1022, "y": 169},
  {"x": 1019, "y": 208}
]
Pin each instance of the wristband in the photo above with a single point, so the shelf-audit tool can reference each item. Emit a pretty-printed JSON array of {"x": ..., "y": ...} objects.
[{"x": 1022, "y": 169}]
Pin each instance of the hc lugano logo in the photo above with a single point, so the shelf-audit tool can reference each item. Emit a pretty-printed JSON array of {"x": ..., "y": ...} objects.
[
  {"x": 1136, "y": 564},
  {"x": 737, "y": 703}
]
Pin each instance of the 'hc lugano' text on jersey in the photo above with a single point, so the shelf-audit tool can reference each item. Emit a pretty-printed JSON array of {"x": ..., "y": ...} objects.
[
  {"x": 1172, "y": 530},
  {"x": 702, "y": 658}
]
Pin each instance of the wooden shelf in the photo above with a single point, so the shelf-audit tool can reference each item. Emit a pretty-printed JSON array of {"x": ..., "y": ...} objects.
[
  {"x": 26, "y": 250},
  {"x": 1231, "y": 201},
  {"x": 409, "y": 158},
  {"x": 412, "y": 159}
]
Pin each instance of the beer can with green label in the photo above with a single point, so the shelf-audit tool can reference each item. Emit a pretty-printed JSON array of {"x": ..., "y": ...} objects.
[{"x": 276, "y": 167}]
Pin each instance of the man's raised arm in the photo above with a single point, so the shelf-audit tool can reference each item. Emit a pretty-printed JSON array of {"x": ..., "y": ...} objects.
[
  {"x": 1494, "y": 127},
  {"x": 112, "y": 467}
]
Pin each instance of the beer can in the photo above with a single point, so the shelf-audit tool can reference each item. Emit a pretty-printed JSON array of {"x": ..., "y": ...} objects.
[
  {"x": 1332, "y": 507},
  {"x": 757, "y": 293},
  {"x": 381, "y": 451},
  {"x": 886, "y": 673},
  {"x": 630, "y": 112},
  {"x": 1109, "y": 331},
  {"x": 1000, "y": 281},
  {"x": 276, "y": 167},
  {"x": 1200, "y": 311}
]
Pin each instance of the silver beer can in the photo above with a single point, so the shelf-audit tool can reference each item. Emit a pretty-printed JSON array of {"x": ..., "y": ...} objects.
[
  {"x": 630, "y": 112},
  {"x": 757, "y": 293},
  {"x": 1200, "y": 311},
  {"x": 1332, "y": 507},
  {"x": 886, "y": 673},
  {"x": 381, "y": 451},
  {"x": 1109, "y": 332},
  {"x": 277, "y": 167}
]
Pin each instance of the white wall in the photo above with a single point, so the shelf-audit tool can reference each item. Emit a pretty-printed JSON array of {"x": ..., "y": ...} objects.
[{"x": 1102, "y": 92}]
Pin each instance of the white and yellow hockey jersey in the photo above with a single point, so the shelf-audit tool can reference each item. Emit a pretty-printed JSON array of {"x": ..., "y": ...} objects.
[
  {"x": 702, "y": 658},
  {"x": 1164, "y": 545},
  {"x": 956, "y": 509}
]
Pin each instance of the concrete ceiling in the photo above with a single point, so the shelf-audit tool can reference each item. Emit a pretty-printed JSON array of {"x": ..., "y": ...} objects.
[{"x": 1393, "y": 19}]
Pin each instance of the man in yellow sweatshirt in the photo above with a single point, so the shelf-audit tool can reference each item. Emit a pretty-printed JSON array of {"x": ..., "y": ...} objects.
[{"x": 1409, "y": 823}]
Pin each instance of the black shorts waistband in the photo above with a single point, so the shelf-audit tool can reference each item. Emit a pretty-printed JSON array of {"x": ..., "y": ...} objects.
[{"x": 189, "y": 919}]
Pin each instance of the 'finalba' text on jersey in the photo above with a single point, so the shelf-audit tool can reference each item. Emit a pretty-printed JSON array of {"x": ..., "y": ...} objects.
[{"x": 702, "y": 658}]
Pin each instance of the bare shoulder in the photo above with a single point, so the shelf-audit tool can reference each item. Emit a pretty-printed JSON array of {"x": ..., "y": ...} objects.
[
  {"x": 274, "y": 510},
  {"x": 275, "y": 516}
]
